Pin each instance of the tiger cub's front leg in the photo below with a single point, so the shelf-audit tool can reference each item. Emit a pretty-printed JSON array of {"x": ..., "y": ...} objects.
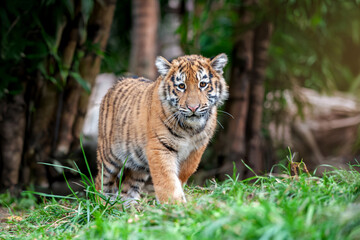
[
  {"x": 163, "y": 165},
  {"x": 189, "y": 166}
]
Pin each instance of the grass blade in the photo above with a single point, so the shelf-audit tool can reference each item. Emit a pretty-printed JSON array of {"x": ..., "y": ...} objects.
[{"x": 86, "y": 162}]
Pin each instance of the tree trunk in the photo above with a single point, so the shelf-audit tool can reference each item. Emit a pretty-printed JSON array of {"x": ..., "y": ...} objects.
[
  {"x": 43, "y": 97},
  {"x": 52, "y": 116},
  {"x": 98, "y": 34},
  {"x": 144, "y": 38},
  {"x": 235, "y": 140},
  {"x": 71, "y": 93},
  {"x": 76, "y": 99},
  {"x": 253, "y": 133},
  {"x": 243, "y": 135},
  {"x": 12, "y": 131}
]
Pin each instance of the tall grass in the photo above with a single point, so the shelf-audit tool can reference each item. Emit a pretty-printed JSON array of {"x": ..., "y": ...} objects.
[
  {"x": 82, "y": 208},
  {"x": 277, "y": 206}
]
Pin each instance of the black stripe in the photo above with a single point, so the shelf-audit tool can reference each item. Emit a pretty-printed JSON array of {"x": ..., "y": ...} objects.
[
  {"x": 123, "y": 192},
  {"x": 106, "y": 175},
  {"x": 180, "y": 122},
  {"x": 126, "y": 93},
  {"x": 108, "y": 183},
  {"x": 103, "y": 159},
  {"x": 139, "y": 155},
  {"x": 166, "y": 145},
  {"x": 135, "y": 188},
  {"x": 144, "y": 80},
  {"x": 182, "y": 68},
  {"x": 112, "y": 162},
  {"x": 111, "y": 157},
  {"x": 170, "y": 130},
  {"x": 210, "y": 90},
  {"x": 138, "y": 180},
  {"x": 108, "y": 169},
  {"x": 105, "y": 120},
  {"x": 113, "y": 154},
  {"x": 122, "y": 89},
  {"x": 133, "y": 165},
  {"x": 168, "y": 88},
  {"x": 165, "y": 93}
]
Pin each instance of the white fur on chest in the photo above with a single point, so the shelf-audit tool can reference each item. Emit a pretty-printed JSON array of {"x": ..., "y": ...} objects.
[
  {"x": 189, "y": 144},
  {"x": 186, "y": 146}
]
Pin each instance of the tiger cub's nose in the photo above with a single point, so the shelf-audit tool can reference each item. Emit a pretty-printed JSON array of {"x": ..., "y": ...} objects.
[{"x": 193, "y": 108}]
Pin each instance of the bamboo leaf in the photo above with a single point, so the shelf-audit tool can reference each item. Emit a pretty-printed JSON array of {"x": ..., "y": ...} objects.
[{"x": 83, "y": 83}]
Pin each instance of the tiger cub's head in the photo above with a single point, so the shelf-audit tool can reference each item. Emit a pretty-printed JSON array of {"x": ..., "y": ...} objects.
[{"x": 191, "y": 87}]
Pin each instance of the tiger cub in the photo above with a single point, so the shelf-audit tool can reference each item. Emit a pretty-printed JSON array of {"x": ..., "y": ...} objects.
[{"x": 159, "y": 128}]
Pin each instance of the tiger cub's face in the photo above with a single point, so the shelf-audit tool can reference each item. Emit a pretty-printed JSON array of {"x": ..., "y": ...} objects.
[{"x": 191, "y": 87}]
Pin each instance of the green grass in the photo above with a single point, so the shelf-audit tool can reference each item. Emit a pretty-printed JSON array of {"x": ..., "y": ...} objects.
[
  {"x": 279, "y": 206},
  {"x": 271, "y": 207}
]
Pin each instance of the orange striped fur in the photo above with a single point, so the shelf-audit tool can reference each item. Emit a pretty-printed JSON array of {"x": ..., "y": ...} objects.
[{"x": 162, "y": 128}]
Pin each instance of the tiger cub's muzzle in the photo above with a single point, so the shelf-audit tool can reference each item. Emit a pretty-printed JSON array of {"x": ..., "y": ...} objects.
[{"x": 190, "y": 111}]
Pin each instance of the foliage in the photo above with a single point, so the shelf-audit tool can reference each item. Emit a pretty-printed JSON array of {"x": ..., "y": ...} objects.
[
  {"x": 31, "y": 34},
  {"x": 116, "y": 58},
  {"x": 209, "y": 28},
  {"x": 94, "y": 203},
  {"x": 315, "y": 44},
  {"x": 26, "y": 201}
]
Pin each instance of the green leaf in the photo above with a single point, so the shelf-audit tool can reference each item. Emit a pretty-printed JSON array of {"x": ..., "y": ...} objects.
[
  {"x": 70, "y": 7},
  {"x": 83, "y": 83},
  {"x": 355, "y": 86},
  {"x": 86, "y": 9}
]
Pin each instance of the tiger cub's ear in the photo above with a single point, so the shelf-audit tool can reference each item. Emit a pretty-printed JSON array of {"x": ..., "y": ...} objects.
[
  {"x": 218, "y": 63},
  {"x": 162, "y": 65}
]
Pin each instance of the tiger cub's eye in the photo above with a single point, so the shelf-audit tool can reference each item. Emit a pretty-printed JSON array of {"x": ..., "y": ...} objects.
[
  {"x": 203, "y": 84},
  {"x": 181, "y": 86}
]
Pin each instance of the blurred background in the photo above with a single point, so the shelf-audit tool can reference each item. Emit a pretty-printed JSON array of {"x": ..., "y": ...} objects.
[{"x": 293, "y": 72}]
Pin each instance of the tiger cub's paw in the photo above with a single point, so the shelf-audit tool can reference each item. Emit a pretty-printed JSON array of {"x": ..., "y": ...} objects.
[{"x": 177, "y": 198}]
